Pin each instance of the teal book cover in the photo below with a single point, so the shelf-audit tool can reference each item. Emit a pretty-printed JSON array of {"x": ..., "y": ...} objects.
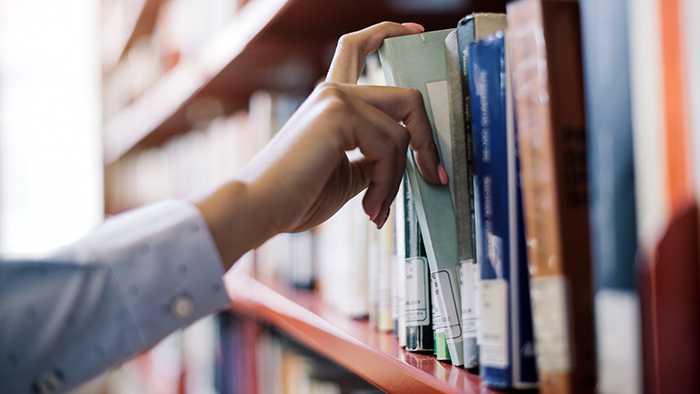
[{"x": 418, "y": 61}]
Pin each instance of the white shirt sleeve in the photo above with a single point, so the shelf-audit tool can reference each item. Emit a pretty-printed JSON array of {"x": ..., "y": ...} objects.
[{"x": 106, "y": 298}]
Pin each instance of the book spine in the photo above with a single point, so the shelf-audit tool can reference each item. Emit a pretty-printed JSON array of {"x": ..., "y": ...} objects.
[
  {"x": 506, "y": 321},
  {"x": 690, "y": 9},
  {"x": 675, "y": 101},
  {"x": 400, "y": 264},
  {"x": 490, "y": 161},
  {"x": 667, "y": 212},
  {"x": 469, "y": 269},
  {"x": 385, "y": 242},
  {"x": 523, "y": 340},
  {"x": 469, "y": 29},
  {"x": 460, "y": 184},
  {"x": 373, "y": 274},
  {"x": 418, "y": 313},
  {"x": 552, "y": 145},
  {"x": 611, "y": 195}
]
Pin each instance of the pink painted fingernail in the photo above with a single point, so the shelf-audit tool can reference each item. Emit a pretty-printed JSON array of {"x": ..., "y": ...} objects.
[
  {"x": 376, "y": 213},
  {"x": 414, "y": 26},
  {"x": 379, "y": 226},
  {"x": 442, "y": 174}
]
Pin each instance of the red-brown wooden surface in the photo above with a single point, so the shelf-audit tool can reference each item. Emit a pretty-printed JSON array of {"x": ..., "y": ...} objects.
[{"x": 375, "y": 356}]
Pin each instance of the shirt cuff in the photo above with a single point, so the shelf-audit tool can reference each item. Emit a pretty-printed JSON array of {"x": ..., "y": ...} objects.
[{"x": 166, "y": 263}]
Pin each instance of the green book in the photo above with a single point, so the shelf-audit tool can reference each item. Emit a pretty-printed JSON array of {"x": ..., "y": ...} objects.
[{"x": 418, "y": 62}]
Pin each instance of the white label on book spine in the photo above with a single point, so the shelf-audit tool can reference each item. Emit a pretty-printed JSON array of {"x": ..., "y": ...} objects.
[
  {"x": 494, "y": 323},
  {"x": 417, "y": 310},
  {"x": 437, "y": 320},
  {"x": 467, "y": 281},
  {"x": 550, "y": 319},
  {"x": 447, "y": 305},
  {"x": 618, "y": 341}
]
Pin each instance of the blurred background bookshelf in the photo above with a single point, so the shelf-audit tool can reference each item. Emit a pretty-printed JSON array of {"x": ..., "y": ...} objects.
[
  {"x": 141, "y": 100},
  {"x": 191, "y": 91}
]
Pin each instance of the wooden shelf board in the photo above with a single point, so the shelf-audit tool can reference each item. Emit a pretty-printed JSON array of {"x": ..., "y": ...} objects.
[
  {"x": 374, "y": 356},
  {"x": 161, "y": 112}
]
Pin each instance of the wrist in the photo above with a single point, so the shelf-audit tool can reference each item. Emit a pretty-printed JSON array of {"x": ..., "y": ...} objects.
[{"x": 237, "y": 220}]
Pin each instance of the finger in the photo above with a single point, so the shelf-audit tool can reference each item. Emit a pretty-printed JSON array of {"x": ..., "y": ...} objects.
[
  {"x": 406, "y": 106},
  {"x": 383, "y": 143},
  {"x": 349, "y": 58},
  {"x": 364, "y": 168},
  {"x": 383, "y": 164}
]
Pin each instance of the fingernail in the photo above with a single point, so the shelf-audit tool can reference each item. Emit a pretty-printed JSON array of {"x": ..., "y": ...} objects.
[
  {"x": 379, "y": 227},
  {"x": 442, "y": 174},
  {"x": 376, "y": 213},
  {"x": 414, "y": 26}
]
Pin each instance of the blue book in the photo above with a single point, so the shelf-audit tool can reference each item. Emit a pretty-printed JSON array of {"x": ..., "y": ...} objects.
[
  {"x": 507, "y": 358},
  {"x": 611, "y": 194}
]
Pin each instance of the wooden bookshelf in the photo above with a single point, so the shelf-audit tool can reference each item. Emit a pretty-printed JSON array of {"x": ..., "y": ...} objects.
[
  {"x": 282, "y": 45},
  {"x": 279, "y": 45},
  {"x": 374, "y": 356}
]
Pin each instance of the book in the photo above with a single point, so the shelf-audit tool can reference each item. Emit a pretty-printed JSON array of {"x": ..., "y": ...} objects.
[
  {"x": 440, "y": 347},
  {"x": 689, "y": 10},
  {"x": 545, "y": 45},
  {"x": 462, "y": 201},
  {"x": 507, "y": 358},
  {"x": 399, "y": 269},
  {"x": 379, "y": 241},
  {"x": 342, "y": 256},
  {"x": 418, "y": 305},
  {"x": 470, "y": 28},
  {"x": 674, "y": 103},
  {"x": 611, "y": 190},
  {"x": 385, "y": 257},
  {"x": 418, "y": 61},
  {"x": 372, "y": 275},
  {"x": 670, "y": 299},
  {"x": 666, "y": 204}
]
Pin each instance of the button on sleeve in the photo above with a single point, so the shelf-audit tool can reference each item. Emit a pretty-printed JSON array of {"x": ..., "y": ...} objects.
[{"x": 166, "y": 260}]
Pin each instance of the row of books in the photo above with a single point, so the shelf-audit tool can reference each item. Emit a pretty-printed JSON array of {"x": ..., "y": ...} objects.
[
  {"x": 190, "y": 163},
  {"x": 183, "y": 362},
  {"x": 256, "y": 359},
  {"x": 564, "y": 252}
]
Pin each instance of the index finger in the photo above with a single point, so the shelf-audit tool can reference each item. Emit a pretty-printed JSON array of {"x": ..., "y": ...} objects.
[
  {"x": 406, "y": 106},
  {"x": 353, "y": 48}
]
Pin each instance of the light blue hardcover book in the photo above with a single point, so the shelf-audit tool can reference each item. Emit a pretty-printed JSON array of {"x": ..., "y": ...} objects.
[{"x": 418, "y": 61}]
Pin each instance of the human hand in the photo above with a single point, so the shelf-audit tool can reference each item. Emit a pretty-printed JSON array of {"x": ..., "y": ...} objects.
[{"x": 304, "y": 176}]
